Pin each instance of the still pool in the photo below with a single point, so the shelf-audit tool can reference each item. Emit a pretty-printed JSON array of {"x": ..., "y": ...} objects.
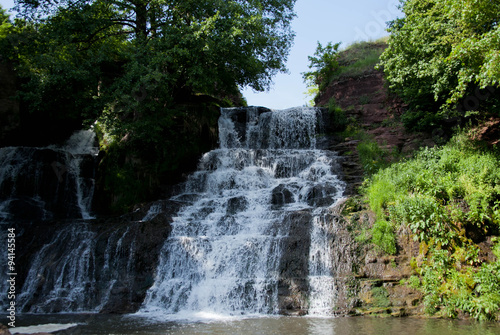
[{"x": 133, "y": 324}]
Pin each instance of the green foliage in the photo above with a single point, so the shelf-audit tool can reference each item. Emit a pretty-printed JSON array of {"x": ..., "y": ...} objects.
[
  {"x": 455, "y": 181},
  {"x": 324, "y": 62},
  {"x": 380, "y": 297},
  {"x": 439, "y": 54},
  {"x": 5, "y": 24},
  {"x": 442, "y": 196},
  {"x": 425, "y": 217},
  {"x": 123, "y": 178},
  {"x": 158, "y": 147},
  {"x": 384, "y": 237},
  {"x": 371, "y": 156},
  {"x": 414, "y": 282},
  {"x": 151, "y": 72},
  {"x": 208, "y": 47},
  {"x": 450, "y": 290},
  {"x": 420, "y": 119},
  {"x": 338, "y": 116},
  {"x": 330, "y": 64}
]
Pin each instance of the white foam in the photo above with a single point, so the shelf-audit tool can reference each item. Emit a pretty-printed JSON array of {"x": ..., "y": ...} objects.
[{"x": 43, "y": 328}]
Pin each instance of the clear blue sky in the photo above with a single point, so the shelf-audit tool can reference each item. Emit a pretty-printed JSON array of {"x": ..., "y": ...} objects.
[{"x": 324, "y": 21}]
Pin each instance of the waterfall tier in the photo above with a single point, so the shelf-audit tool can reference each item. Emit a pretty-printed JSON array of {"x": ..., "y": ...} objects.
[
  {"x": 48, "y": 183},
  {"x": 253, "y": 202}
]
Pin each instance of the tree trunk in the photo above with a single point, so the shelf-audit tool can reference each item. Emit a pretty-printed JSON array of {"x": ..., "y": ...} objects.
[{"x": 141, "y": 19}]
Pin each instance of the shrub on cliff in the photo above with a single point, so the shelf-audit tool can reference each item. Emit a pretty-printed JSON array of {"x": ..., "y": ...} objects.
[
  {"x": 324, "y": 64},
  {"x": 330, "y": 64}
]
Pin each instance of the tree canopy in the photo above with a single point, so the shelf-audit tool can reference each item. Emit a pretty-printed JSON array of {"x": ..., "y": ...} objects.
[
  {"x": 443, "y": 57},
  {"x": 208, "y": 46},
  {"x": 137, "y": 66}
]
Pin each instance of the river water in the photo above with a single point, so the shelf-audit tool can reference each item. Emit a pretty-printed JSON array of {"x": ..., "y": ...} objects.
[{"x": 133, "y": 324}]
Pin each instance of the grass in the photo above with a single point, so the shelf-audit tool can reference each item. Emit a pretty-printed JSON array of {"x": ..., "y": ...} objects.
[
  {"x": 359, "y": 58},
  {"x": 371, "y": 156}
]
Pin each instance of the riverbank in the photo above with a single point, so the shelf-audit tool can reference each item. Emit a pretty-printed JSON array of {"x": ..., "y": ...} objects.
[{"x": 393, "y": 257}]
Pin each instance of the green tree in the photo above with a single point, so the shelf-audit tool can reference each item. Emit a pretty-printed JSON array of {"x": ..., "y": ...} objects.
[
  {"x": 245, "y": 42},
  {"x": 440, "y": 54},
  {"x": 325, "y": 63},
  {"x": 4, "y": 23},
  {"x": 141, "y": 68},
  {"x": 191, "y": 47},
  {"x": 5, "y": 28}
]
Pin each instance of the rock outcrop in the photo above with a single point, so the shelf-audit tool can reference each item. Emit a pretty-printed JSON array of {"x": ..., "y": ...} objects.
[
  {"x": 370, "y": 281},
  {"x": 115, "y": 263}
]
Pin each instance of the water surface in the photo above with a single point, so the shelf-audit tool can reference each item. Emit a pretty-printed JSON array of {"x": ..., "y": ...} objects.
[{"x": 132, "y": 324}]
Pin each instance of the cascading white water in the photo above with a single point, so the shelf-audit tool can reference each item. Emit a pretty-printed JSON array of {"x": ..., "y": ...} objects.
[
  {"x": 41, "y": 181},
  {"x": 223, "y": 254},
  {"x": 69, "y": 283},
  {"x": 72, "y": 273},
  {"x": 321, "y": 277},
  {"x": 78, "y": 146},
  {"x": 38, "y": 184}
]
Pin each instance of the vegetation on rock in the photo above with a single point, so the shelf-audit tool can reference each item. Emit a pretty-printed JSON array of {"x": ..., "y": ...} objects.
[
  {"x": 435, "y": 212},
  {"x": 331, "y": 64}
]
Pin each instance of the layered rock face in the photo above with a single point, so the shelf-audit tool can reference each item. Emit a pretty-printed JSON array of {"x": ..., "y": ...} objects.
[{"x": 100, "y": 265}]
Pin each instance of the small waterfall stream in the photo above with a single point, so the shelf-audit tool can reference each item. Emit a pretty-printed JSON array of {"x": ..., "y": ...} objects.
[
  {"x": 224, "y": 254},
  {"x": 49, "y": 182}
]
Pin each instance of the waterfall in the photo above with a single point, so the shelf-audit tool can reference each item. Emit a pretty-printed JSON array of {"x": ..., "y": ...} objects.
[
  {"x": 248, "y": 234},
  {"x": 226, "y": 251},
  {"x": 49, "y": 182},
  {"x": 68, "y": 284},
  {"x": 50, "y": 189}
]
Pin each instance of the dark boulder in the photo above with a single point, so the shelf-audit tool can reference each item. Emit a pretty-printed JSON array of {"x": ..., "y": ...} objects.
[
  {"x": 281, "y": 196},
  {"x": 320, "y": 195},
  {"x": 236, "y": 204}
]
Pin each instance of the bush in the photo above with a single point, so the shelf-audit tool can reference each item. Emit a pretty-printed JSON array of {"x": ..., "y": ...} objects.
[
  {"x": 416, "y": 119},
  {"x": 426, "y": 218},
  {"x": 441, "y": 185},
  {"x": 371, "y": 156},
  {"x": 449, "y": 290},
  {"x": 324, "y": 62}
]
